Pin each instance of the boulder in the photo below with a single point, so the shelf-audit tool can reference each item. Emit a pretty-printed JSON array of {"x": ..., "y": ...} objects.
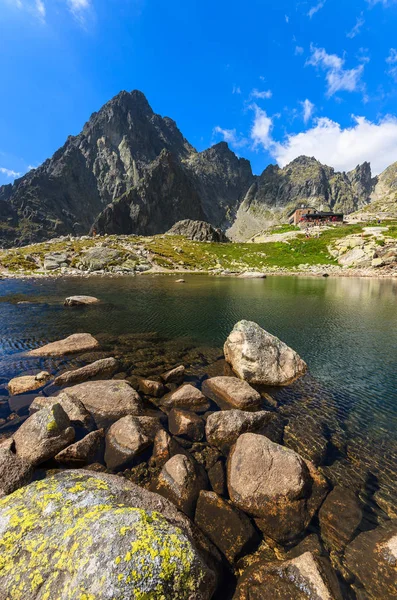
[
  {"x": 107, "y": 400},
  {"x": 84, "y": 452},
  {"x": 226, "y": 526},
  {"x": 55, "y": 260},
  {"x": 186, "y": 397},
  {"x": 261, "y": 358},
  {"x": 372, "y": 558},
  {"x": 99, "y": 259},
  {"x": 104, "y": 368},
  {"x": 174, "y": 376},
  {"x": 230, "y": 392},
  {"x": 304, "y": 434},
  {"x": 27, "y": 383},
  {"x": 340, "y": 515},
  {"x": 80, "y": 301},
  {"x": 223, "y": 428},
  {"x": 307, "y": 577},
  {"x": 91, "y": 535},
  {"x": 128, "y": 438},
  {"x": 79, "y": 416},
  {"x": 181, "y": 481},
  {"x": 199, "y": 231},
  {"x": 78, "y": 342},
  {"x": 151, "y": 388},
  {"x": 164, "y": 447},
  {"x": 43, "y": 435},
  {"x": 186, "y": 424},
  {"x": 275, "y": 485},
  {"x": 252, "y": 275},
  {"x": 217, "y": 477},
  {"x": 14, "y": 471}
]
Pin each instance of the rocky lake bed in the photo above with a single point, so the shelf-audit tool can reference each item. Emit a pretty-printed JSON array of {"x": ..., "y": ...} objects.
[{"x": 137, "y": 466}]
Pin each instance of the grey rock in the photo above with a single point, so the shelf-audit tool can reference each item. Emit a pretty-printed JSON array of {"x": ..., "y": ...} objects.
[
  {"x": 99, "y": 259},
  {"x": 80, "y": 301},
  {"x": 100, "y": 369},
  {"x": 88, "y": 450},
  {"x": 43, "y": 435},
  {"x": 186, "y": 397},
  {"x": 14, "y": 471},
  {"x": 79, "y": 416},
  {"x": 199, "y": 231},
  {"x": 261, "y": 358},
  {"x": 78, "y": 342}
]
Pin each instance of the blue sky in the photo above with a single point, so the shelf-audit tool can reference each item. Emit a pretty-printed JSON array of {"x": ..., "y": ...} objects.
[{"x": 275, "y": 79}]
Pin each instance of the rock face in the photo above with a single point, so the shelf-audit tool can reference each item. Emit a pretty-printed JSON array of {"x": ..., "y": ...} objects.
[
  {"x": 275, "y": 485},
  {"x": 100, "y": 537},
  {"x": 78, "y": 342},
  {"x": 100, "y": 369},
  {"x": 307, "y": 577},
  {"x": 107, "y": 401},
  {"x": 230, "y": 392},
  {"x": 226, "y": 526},
  {"x": 223, "y": 428},
  {"x": 43, "y": 435},
  {"x": 372, "y": 558},
  {"x": 199, "y": 231},
  {"x": 261, "y": 358}
]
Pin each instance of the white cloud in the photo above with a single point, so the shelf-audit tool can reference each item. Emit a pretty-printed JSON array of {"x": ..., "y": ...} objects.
[
  {"x": 9, "y": 173},
  {"x": 261, "y": 128},
  {"x": 357, "y": 28},
  {"x": 35, "y": 7},
  {"x": 316, "y": 8},
  {"x": 308, "y": 108},
  {"x": 286, "y": 18},
  {"x": 342, "y": 148},
  {"x": 392, "y": 61},
  {"x": 230, "y": 136},
  {"x": 384, "y": 2},
  {"x": 41, "y": 10},
  {"x": 298, "y": 50},
  {"x": 266, "y": 94},
  {"x": 338, "y": 79},
  {"x": 236, "y": 89},
  {"x": 79, "y": 8}
]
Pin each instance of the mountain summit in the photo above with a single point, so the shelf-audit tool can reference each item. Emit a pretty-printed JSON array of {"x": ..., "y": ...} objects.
[{"x": 132, "y": 171}]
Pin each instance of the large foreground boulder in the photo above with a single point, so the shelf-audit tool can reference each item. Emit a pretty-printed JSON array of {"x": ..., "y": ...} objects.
[
  {"x": 107, "y": 400},
  {"x": 230, "y": 392},
  {"x": 84, "y": 535},
  {"x": 275, "y": 485},
  {"x": 307, "y": 577},
  {"x": 261, "y": 358},
  {"x": 372, "y": 558},
  {"x": 78, "y": 342}
]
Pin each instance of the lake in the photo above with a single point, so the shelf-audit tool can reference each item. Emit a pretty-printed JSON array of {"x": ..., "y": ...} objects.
[{"x": 345, "y": 329}]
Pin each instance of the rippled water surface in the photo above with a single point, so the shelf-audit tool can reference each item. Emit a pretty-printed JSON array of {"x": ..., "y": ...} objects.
[{"x": 345, "y": 329}]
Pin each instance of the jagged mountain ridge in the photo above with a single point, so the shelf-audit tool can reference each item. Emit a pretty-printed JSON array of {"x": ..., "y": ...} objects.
[{"x": 132, "y": 171}]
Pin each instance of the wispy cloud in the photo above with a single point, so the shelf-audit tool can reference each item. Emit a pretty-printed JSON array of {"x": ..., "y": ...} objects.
[
  {"x": 286, "y": 18},
  {"x": 338, "y": 79},
  {"x": 314, "y": 9},
  {"x": 35, "y": 7},
  {"x": 230, "y": 136},
  {"x": 308, "y": 109},
  {"x": 9, "y": 173},
  {"x": 392, "y": 61},
  {"x": 383, "y": 2},
  {"x": 298, "y": 50},
  {"x": 357, "y": 28},
  {"x": 236, "y": 89},
  {"x": 79, "y": 9},
  {"x": 266, "y": 94}
]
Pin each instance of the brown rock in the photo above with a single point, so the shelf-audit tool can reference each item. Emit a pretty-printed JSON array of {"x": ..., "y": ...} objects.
[
  {"x": 100, "y": 369},
  {"x": 303, "y": 434},
  {"x": 78, "y": 342},
  {"x": 164, "y": 447},
  {"x": 230, "y": 392},
  {"x": 107, "y": 401},
  {"x": 181, "y": 480},
  {"x": 217, "y": 477},
  {"x": 27, "y": 383},
  {"x": 186, "y": 397},
  {"x": 274, "y": 484},
  {"x": 88, "y": 450},
  {"x": 340, "y": 515},
  {"x": 372, "y": 558},
  {"x": 80, "y": 300},
  {"x": 79, "y": 416},
  {"x": 151, "y": 388},
  {"x": 14, "y": 471},
  {"x": 226, "y": 526},
  {"x": 174, "y": 375},
  {"x": 128, "y": 438},
  {"x": 187, "y": 424},
  {"x": 307, "y": 577},
  {"x": 223, "y": 428},
  {"x": 43, "y": 435}
]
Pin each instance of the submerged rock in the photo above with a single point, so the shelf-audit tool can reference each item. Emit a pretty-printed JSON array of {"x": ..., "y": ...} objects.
[
  {"x": 225, "y": 525},
  {"x": 78, "y": 342},
  {"x": 307, "y": 577},
  {"x": 100, "y": 369},
  {"x": 43, "y": 435},
  {"x": 27, "y": 383},
  {"x": 151, "y": 388},
  {"x": 174, "y": 375},
  {"x": 275, "y": 485},
  {"x": 91, "y": 535},
  {"x": 340, "y": 515},
  {"x": 230, "y": 392},
  {"x": 223, "y": 428},
  {"x": 80, "y": 300},
  {"x": 261, "y": 358}
]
